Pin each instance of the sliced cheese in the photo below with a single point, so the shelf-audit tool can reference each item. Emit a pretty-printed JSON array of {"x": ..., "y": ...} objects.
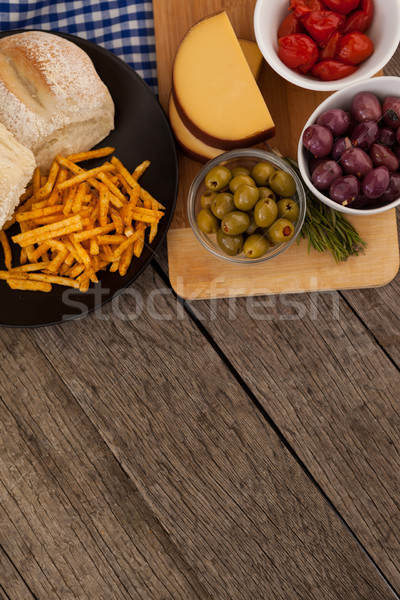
[
  {"x": 252, "y": 54},
  {"x": 190, "y": 144},
  {"x": 214, "y": 90}
]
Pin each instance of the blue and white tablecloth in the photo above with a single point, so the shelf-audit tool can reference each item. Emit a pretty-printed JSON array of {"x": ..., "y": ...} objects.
[{"x": 124, "y": 27}]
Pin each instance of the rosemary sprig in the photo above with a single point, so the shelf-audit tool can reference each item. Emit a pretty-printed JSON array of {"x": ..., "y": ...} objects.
[{"x": 328, "y": 229}]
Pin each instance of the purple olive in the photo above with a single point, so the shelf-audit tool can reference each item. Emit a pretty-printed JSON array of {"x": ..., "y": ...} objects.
[
  {"x": 387, "y": 136},
  {"x": 382, "y": 156},
  {"x": 318, "y": 140},
  {"x": 339, "y": 146},
  {"x": 365, "y": 134},
  {"x": 344, "y": 190},
  {"x": 376, "y": 182},
  {"x": 396, "y": 151},
  {"x": 352, "y": 124},
  {"x": 393, "y": 191},
  {"x": 361, "y": 202},
  {"x": 325, "y": 174},
  {"x": 356, "y": 162},
  {"x": 397, "y": 135},
  {"x": 366, "y": 107},
  {"x": 336, "y": 120},
  {"x": 315, "y": 162},
  {"x": 391, "y": 111}
]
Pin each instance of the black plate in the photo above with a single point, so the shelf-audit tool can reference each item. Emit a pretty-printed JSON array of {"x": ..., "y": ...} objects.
[{"x": 142, "y": 132}]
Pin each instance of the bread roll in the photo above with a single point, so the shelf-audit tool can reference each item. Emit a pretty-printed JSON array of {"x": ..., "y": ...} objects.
[
  {"x": 17, "y": 164},
  {"x": 51, "y": 97}
]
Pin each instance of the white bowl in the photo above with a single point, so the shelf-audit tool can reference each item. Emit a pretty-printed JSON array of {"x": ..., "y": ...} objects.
[
  {"x": 381, "y": 87},
  {"x": 384, "y": 32}
]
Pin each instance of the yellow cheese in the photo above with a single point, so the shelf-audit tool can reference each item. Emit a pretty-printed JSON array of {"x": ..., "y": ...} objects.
[
  {"x": 190, "y": 144},
  {"x": 252, "y": 54},
  {"x": 213, "y": 88}
]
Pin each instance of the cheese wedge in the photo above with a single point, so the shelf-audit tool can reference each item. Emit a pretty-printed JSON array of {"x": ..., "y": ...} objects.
[
  {"x": 252, "y": 54},
  {"x": 190, "y": 144},
  {"x": 214, "y": 91}
]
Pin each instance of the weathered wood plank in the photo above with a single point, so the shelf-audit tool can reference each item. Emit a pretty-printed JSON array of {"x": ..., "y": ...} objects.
[
  {"x": 235, "y": 501},
  {"x": 379, "y": 310},
  {"x": 71, "y": 519},
  {"x": 333, "y": 394},
  {"x": 12, "y": 586}
]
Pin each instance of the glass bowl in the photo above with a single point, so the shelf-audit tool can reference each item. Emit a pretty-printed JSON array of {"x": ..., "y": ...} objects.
[{"x": 243, "y": 157}]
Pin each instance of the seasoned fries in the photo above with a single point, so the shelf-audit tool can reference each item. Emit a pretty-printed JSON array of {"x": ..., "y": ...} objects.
[
  {"x": 76, "y": 222},
  {"x": 6, "y": 249}
]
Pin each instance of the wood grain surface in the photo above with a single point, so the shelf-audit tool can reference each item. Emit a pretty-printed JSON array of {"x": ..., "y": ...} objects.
[
  {"x": 225, "y": 509},
  {"x": 71, "y": 518},
  {"x": 193, "y": 271},
  {"x": 12, "y": 584},
  {"x": 333, "y": 393}
]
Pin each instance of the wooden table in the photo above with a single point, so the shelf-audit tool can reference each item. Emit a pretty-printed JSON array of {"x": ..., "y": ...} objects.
[{"x": 241, "y": 449}]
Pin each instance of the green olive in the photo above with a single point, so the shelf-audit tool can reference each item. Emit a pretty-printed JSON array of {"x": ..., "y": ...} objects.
[
  {"x": 256, "y": 245},
  {"x": 235, "y": 223},
  {"x": 261, "y": 172},
  {"x": 265, "y": 212},
  {"x": 217, "y": 178},
  {"x": 207, "y": 198},
  {"x": 266, "y": 192},
  {"x": 252, "y": 228},
  {"x": 230, "y": 244},
  {"x": 240, "y": 171},
  {"x": 283, "y": 184},
  {"x": 240, "y": 180},
  {"x": 207, "y": 222},
  {"x": 222, "y": 204},
  {"x": 288, "y": 209},
  {"x": 246, "y": 197},
  {"x": 281, "y": 231}
]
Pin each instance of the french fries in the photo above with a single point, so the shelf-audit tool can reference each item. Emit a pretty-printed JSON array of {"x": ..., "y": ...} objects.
[
  {"x": 77, "y": 222},
  {"x": 6, "y": 249}
]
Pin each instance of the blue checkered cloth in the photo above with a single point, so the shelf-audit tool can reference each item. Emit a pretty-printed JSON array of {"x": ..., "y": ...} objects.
[{"x": 124, "y": 27}]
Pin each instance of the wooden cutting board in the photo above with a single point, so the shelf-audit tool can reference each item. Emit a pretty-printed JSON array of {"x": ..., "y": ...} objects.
[{"x": 193, "y": 271}]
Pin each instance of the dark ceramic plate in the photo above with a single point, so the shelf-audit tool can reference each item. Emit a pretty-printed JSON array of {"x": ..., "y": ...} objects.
[{"x": 141, "y": 132}]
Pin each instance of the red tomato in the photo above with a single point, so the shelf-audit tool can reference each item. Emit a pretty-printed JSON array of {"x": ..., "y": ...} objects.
[
  {"x": 289, "y": 25},
  {"x": 342, "y": 6},
  {"x": 354, "y": 48},
  {"x": 368, "y": 7},
  {"x": 321, "y": 24},
  {"x": 331, "y": 47},
  {"x": 304, "y": 7},
  {"x": 360, "y": 20},
  {"x": 298, "y": 52},
  {"x": 330, "y": 70}
]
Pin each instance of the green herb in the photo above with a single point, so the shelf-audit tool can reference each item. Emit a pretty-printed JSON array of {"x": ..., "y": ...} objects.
[{"x": 327, "y": 229}]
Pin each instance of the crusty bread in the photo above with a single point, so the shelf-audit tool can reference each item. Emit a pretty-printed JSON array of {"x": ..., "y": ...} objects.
[
  {"x": 51, "y": 97},
  {"x": 17, "y": 164}
]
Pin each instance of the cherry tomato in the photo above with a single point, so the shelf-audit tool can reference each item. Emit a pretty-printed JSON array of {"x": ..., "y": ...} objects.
[
  {"x": 289, "y": 25},
  {"x": 342, "y": 6},
  {"x": 330, "y": 70},
  {"x": 331, "y": 47},
  {"x": 360, "y": 20},
  {"x": 304, "y": 7},
  {"x": 321, "y": 24},
  {"x": 298, "y": 52},
  {"x": 354, "y": 48}
]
